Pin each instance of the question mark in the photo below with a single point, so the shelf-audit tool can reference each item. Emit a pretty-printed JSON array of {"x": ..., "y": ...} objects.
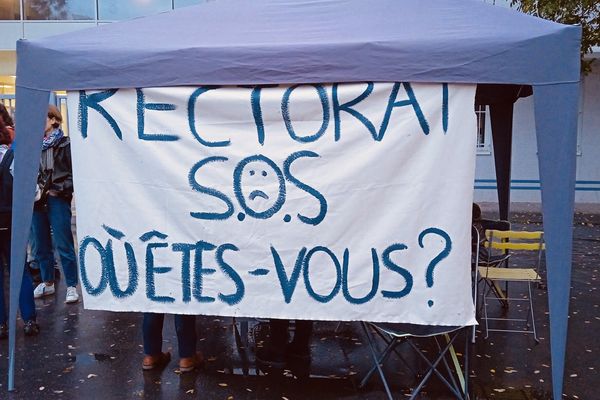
[{"x": 436, "y": 260}]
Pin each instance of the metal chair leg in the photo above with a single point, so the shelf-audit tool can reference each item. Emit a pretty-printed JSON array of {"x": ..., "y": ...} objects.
[
  {"x": 532, "y": 314},
  {"x": 456, "y": 364},
  {"x": 475, "y": 284},
  {"x": 337, "y": 327},
  {"x": 380, "y": 361},
  {"x": 377, "y": 365},
  {"x": 433, "y": 369},
  {"x": 389, "y": 340},
  {"x": 485, "y": 315}
]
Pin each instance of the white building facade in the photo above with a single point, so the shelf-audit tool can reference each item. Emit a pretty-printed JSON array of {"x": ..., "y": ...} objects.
[{"x": 525, "y": 183}]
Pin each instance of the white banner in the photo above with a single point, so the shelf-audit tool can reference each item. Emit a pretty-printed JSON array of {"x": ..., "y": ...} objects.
[{"x": 324, "y": 202}]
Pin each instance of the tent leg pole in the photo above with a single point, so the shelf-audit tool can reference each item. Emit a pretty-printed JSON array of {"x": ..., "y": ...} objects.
[{"x": 11, "y": 367}]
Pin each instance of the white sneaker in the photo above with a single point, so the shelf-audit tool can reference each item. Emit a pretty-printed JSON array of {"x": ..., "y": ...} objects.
[
  {"x": 72, "y": 296},
  {"x": 43, "y": 290}
]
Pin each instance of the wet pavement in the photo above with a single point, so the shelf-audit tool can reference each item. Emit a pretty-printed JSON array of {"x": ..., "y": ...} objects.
[{"x": 83, "y": 354}]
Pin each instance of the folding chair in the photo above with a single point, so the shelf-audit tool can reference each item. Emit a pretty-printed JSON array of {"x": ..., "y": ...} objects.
[
  {"x": 491, "y": 274},
  {"x": 481, "y": 257},
  {"x": 439, "y": 364}
]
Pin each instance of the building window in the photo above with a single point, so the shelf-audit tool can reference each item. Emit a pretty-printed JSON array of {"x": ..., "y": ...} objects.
[
  {"x": 10, "y": 10},
  {"x": 483, "y": 141},
  {"x": 63, "y": 10},
  {"x": 185, "y": 3},
  {"x": 86, "y": 10},
  {"x": 8, "y": 100},
  {"x": 113, "y": 10}
]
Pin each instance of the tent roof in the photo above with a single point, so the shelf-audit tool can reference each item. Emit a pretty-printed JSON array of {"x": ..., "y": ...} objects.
[
  {"x": 309, "y": 41},
  {"x": 277, "y": 41}
]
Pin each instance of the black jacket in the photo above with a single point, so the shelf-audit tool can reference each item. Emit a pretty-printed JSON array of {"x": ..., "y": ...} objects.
[
  {"x": 60, "y": 178},
  {"x": 6, "y": 185}
]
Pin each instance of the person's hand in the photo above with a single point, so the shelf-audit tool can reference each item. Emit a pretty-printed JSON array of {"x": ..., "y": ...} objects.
[{"x": 38, "y": 193}]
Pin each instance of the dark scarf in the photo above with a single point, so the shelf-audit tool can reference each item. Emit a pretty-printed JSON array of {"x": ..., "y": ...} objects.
[{"x": 48, "y": 148}]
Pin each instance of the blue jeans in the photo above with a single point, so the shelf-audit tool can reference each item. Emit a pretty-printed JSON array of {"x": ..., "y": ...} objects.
[
  {"x": 57, "y": 216},
  {"x": 26, "y": 302},
  {"x": 33, "y": 247},
  {"x": 185, "y": 326}
]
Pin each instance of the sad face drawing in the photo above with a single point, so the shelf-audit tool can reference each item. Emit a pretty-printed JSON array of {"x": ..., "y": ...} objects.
[{"x": 259, "y": 186}]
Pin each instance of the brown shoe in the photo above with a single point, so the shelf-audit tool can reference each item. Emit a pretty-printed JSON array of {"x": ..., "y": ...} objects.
[
  {"x": 156, "y": 361},
  {"x": 187, "y": 364}
]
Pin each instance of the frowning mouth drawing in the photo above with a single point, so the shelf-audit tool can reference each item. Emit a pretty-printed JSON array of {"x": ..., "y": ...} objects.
[{"x": 258, "y": 193}]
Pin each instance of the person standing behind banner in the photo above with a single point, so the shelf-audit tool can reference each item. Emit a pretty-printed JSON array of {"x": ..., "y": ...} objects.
[
  {"x": 185, "y": 327},
  {"x": 52, "y": 210},
  {"x": 277, "y": 349},
  {"x": 26, "y": 303}
]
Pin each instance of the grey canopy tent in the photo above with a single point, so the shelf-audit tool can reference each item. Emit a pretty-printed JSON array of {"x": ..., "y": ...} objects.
[{"x": 232, "y": 42}]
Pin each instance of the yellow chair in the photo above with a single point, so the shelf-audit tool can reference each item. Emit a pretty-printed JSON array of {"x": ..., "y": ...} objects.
[
  {"x": 492, "y": 275},
  {"x": 481, "y": 257}
]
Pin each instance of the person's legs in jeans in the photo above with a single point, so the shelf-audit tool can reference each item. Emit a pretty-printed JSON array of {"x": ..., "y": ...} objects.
[
  {"x": 4, "y": 243},
  {"x": 59, "y": 214},
  {"x": 185, "y": 326},
  {"x": 152, "y": 327},
  {"x": 32, "y": 263},
  {"x": 42, "y": 250},
  {"x": 26, "y": 302}
]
